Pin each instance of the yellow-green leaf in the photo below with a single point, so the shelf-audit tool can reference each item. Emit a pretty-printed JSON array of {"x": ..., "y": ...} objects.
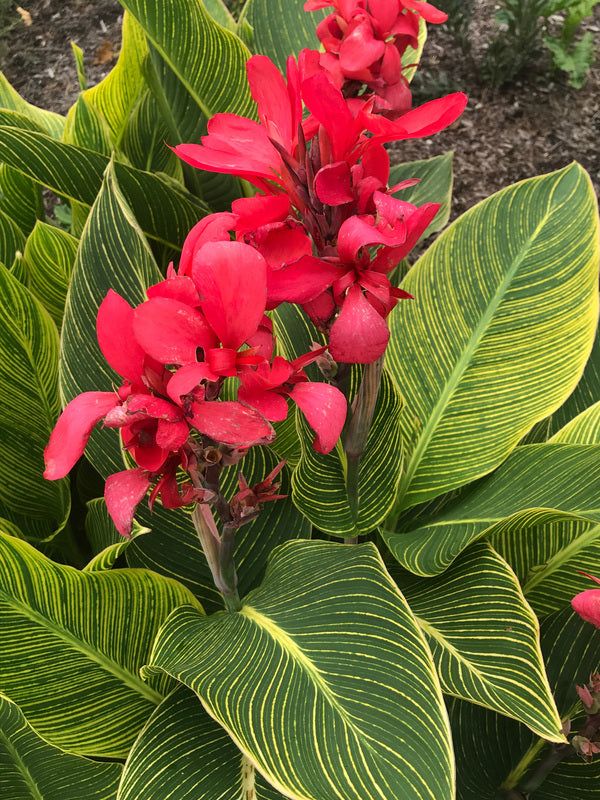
[
  {"x": 53, "y": 124},
  {"x": 437, "y": 178},
  {"x": 49, "y": 257}
]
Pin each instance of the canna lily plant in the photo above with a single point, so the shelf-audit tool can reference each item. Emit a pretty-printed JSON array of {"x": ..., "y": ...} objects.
[{"x": 286, "y": 512}]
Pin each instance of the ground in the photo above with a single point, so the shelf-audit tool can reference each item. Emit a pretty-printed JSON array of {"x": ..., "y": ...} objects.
[{"x": 534, "y": 126}]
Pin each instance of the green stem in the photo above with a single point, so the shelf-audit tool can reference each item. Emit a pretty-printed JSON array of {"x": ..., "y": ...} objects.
[{"x": 218, "y": 550}]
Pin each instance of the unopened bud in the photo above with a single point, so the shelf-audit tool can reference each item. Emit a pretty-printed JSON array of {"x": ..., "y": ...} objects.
[{"x": 585, "y": 748}]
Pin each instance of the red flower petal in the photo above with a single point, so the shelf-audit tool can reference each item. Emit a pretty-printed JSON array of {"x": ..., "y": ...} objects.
[
  {"x": 253, "y": 212},
  {"x": 325, "y": 409},
  {"x": 123, "y": 492},
  {"x": 333, "y": 184},
  {"x": 171, "y": 435},
  {"x": 214, "y": 228},
  {"x": 302, "y": 281},
  {"x": 359, "y": 335},
  {"x": 360, "y": 49},
  {"x": 171, "y": 331},
  {"x": 282, "y": 243},
  {"x": 187, "y": 378},
  {"x": 426, "y": 120},
  {"x": 587, "y": 605},
  {"x": 232, "y": 423},
  {"x": 114, "y": 325},
  {"x": 426, "y": 10},
  {"x": 384, "y": 12},
  {"x": 232, "y": 280},
  {"x": 328, "y": 105},
  {"x": 270, "y": 93},
  {"x": 357, "y": 232},
  {"x": 271, "y": 405},
  {"x": 72, "y": 431},
  {"x": 179, "y": 288}
]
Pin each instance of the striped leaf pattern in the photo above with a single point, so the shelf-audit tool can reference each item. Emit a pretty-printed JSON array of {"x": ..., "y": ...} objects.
[
  {"x": 208, "y": 59},
  {"x": 323, "y": 679},
  {"x": 537, "y": 484},
  {"x": 582, "y": 429},
  {"x": 495, "y": 754},
  {"x": 437, "y": 178},
  {"x": 145, "y": 137},
  {"x": 20, "y": 198},
  {"x": 47, "y": 121},
  {"x": 172, "y": 547},
  {"x": 485, "y": 638},
  {"x": 12, "y": 240},
  {"x": 29, "y": 404},
  {"x": 107, "y": 543},
  {"x": 113, "y": 254},
  {"x": 87, "y": 631},
  {"x": 49, "y": 257},
  {"x": 164, "y": 210},
  {"x": 182, "y": 754},
  {"x": 502, "y": 325},
  {"x": 32, "y": 769},
  {"x": 320, "y": 482}
]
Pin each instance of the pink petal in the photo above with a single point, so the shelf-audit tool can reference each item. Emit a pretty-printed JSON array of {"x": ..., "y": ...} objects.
[
  {"x": 587, "y": 605},
  {"x": 270, "y": 93},
  {"x": 214, "y": 228},
  {"x": 72, "y": 431},
  {"x": 333, "y": 184},
  {"x": 123, "y": 492},
  {"x": 271, "y": 405},
  {"x": 359, "y": 335},
  {"x": 282, "y": 243},
  {"x": 172, "y": 435},
  {"x": 187, "y": 378},
  {"x": 232, "y": 423},
  {"x": 302, "y": 281},
  {"x": 171, "y": 331},
  {"x": 357, "y": 232},
  {"x": 232, "y": 280},
  {"x": 252, "y": 212},
  {"x": 179, "y": 288},
  {"x": 114, "y": 326},
  {"x": 321, "y": 309},
  {"x": 325, "y": 409},
  {"x": 360, "y": 49}
]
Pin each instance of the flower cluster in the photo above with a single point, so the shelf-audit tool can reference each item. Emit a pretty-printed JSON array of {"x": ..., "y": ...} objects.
[
  {"x": 325, "y": 230},
  {"x": 364, "y": 43},
  {"x": 325, "y": 220},
  {"x": 174, "y": 352}
]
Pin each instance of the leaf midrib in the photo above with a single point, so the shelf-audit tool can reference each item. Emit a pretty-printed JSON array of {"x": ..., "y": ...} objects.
[
  {"x": 116, "y": 670},
  {"x": 21, "y": 766},
  {"x": 463, "y": 361},
  {"x": 562, "y": 557}
]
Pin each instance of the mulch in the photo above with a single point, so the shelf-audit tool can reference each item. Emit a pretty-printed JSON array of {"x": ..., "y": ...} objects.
[{"x": 534, "y": 126}]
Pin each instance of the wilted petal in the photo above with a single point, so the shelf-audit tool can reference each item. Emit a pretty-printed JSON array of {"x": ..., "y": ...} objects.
[
  {"x": 325, "y": 409},
  {"x": 232, "y": 280},
  {"x": 114, "y": 325},
  {"x": 72, "y": 431},
  {"x": 171, "y": 331},
  {"x": 123, "y": 492},
  {"x": 359, "y": 335},
  {"x": 171, "y": 435},
  {"x": 232, "y": 423}
]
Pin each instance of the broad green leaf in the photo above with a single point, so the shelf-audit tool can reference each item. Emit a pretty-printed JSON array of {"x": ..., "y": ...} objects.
[
  {"x": 32, "y": 769},
  {"x": 505, "y": 310},
  {"x": 183, "y": 753},
  {"x": 164, "y": 210},
  {"x": 320, "y": 483},
  {"x": 208, "y": 59},
  {"x": 113, "y": 254},
  {"x": 29, "y": 403},
  {"x": 12, "y": 240},
  {"x": 280, "y": 28},
  {"x": 495, "y": 754},
  {"x": 20, "y": 198},
  {"x": 437, "y": 178},
  {"x": 172, "y": 548},
  {"x": 18, "y": 269},
  {"x": 53, "y": 124},
  {"x": 49, "y": 257},
  {"x": 145, "y": 138},
  {"x": 582, "y": 429},
  {"x": 538, "y": 484},
  {"x": 107, "y": 543},
  {"x": 73, "y": 644},
  {"x": 219, "y": 12},
  {"x": 86, "y": 128},
  {"x": 484, "y": 638},
  {"x": 328, "y": 648}
]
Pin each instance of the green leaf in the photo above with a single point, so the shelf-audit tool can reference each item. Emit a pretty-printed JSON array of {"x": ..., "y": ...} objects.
[
  {"x": 20, "y": 198},
  {"x": 173, "y": 548},
  {"x": 28, "y": 403},
  {"x": 86, "y": 128},
  {"x": 164, "y": 210},
  {"x": 145, "y": 138},
  {"x": 219, "y": 12},
  {"x": 107, "y": 544},
  {"x": 113, "y": 254},
  {"x": 79, "y": 59},
  {"x": 32, "y": 769},
  {"x": 319, "y": 482},
  {"x": 53, "y": 124},
  {"x": 538, "y": 484},
  {"x": 437, "y": 178},
  {"x": 484, "y": 638},
  {"x": 505, "y": 311},
  {"x": 12, "y": 240},
  {"x": 328, "y": 648},
  {"x": 49, "y": 257},
  {"x": 183, "y": 753},
  {"x": 207, "y": 58},
  {"x": 494, "y": 754},
  {"x": 73, "y": 644},
  {"x": 582, "y": 429}
]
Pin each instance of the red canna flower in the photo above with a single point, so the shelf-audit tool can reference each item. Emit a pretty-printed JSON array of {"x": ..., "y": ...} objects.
[{"x": 587, "y": 604}]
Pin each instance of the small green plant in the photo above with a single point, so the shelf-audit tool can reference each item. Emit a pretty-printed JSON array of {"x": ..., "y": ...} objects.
[
  {"x": 573, "y": 53},
  {"x": 460, "y": 17}
]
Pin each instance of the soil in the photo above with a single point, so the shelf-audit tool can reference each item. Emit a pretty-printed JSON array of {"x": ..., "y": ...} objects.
[{"x": 533, "y": 126}]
